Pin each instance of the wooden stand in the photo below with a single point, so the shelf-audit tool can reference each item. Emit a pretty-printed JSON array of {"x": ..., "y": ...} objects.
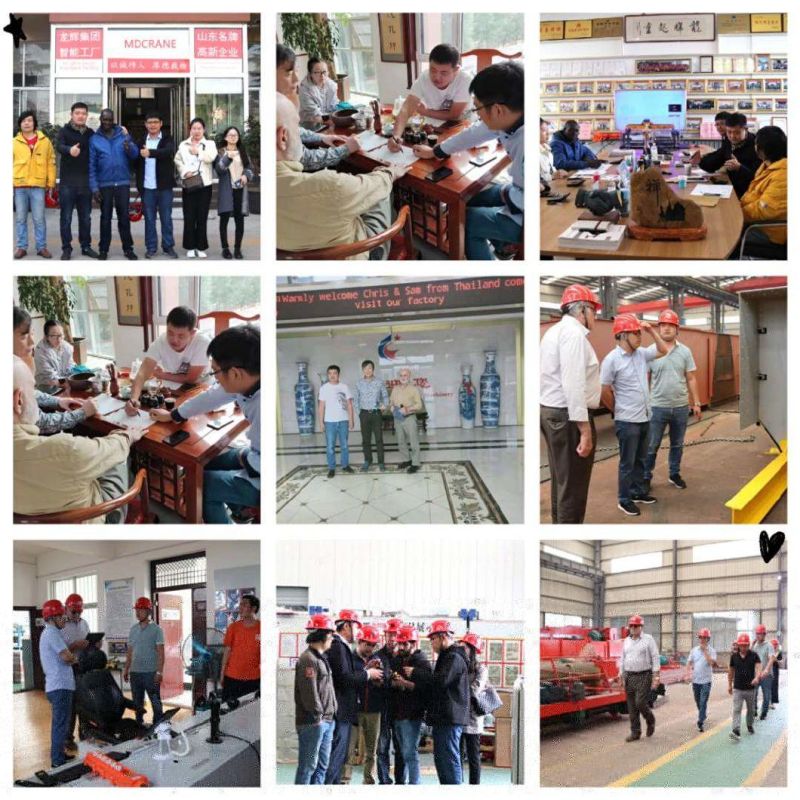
[{"x": 666, "y": 234}]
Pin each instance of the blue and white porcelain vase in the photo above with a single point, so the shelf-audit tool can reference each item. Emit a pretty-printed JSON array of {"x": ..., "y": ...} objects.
[
  {"x": 304, "y": 401},
  {"x": 467, "y": 400},
  {"x": 490, "y": 391}
]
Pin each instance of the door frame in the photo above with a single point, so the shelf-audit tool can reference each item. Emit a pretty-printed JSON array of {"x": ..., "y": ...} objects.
[
  {"x": 180, "y": 97},
  {"x": 37, "y": 681}
]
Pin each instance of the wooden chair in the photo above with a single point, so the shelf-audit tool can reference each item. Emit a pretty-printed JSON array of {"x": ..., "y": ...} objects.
[
  {"x": 222, "y": 319},
  {"x": 486, "y": 57},
  {"x": 136, "y": 498},
  {"x": 399, "y": 234}
]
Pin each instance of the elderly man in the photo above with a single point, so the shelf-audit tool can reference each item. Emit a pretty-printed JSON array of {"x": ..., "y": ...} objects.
[
  {"x": 404, "y": 402},
  {"x": 327, "y": 208},
  {"x": 766, "y": 652},
  {"x": 60, "y": 472},
  {"x": 640, "y": 672},
  {"x": 569, "y": 392},
  {"x": 52, "y": 356}
]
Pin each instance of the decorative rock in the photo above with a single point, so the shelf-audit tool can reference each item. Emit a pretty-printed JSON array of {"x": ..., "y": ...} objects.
[{"x": 655, "y": 205}]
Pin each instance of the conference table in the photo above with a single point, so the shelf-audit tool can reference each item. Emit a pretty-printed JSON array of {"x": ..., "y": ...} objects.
[
  {"x": 724, "y": 223},
  {"x": 175, "y": 473},
  {"x": 441, "y": 226}
]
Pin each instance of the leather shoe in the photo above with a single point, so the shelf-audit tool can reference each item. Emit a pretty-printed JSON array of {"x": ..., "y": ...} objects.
[
  {"x": 20, "y": 253},
  {"x": 651, "y": 726},
  {"x": 404, "y": 465},
  {"x": 44, "y": 253},
  {"x": 632, "y": 738}
]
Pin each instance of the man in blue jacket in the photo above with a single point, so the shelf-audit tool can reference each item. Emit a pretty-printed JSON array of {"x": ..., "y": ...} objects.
[
  {"x": 111, "y": 153},
  {"x": 569, "y": 152}
]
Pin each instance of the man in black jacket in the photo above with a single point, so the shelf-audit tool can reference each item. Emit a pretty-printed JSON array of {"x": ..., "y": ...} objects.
[
  {"x": 73, "y": 181},
  {"x": 155, "y": 180},
  {"x": 348, "y": 679},
  {"x": 388, "y": 737},
  {"x": 448, "y": 698},
  {"x": 736, "y": 154}
]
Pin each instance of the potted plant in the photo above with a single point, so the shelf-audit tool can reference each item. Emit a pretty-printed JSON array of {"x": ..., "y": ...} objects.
[
  {"x": 314, "y": 34},
  {"x": 52, "y": 297}
]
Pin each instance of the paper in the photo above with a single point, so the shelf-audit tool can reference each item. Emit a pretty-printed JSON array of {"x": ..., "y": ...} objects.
[
  {"x": 404, "y": 158},
  {"x": 370, "y": 140},
  {"x": 171, "y": 384},
  {"x": 707, "y": 202},
  {"x": 589, "y": 173},
  {"x": 713, "y": 190},
  {"x": 106, "y": 404},
  {"x": 121, "y": 419}
]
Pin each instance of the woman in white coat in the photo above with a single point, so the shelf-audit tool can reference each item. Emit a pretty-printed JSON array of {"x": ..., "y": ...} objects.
[
  {"x": 318, "y": 93},
  {"x": 478, "y": 678},
  {"x": 194, "y": 159}
]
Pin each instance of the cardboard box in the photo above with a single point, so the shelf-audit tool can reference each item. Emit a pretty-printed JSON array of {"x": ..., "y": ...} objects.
[
  {"x": 504, "y": 712},
  {"x": 502, "y": 743}
]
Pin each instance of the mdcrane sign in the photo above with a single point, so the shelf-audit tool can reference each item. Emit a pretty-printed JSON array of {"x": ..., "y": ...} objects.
[{"x": 148, "y": 50}]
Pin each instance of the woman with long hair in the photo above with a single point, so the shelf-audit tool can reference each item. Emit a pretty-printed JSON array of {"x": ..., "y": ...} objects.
[
  {"x": 478, "y": 678},
  {"x": 194, "y": 159},
  {"x": 233, "y": 167}
]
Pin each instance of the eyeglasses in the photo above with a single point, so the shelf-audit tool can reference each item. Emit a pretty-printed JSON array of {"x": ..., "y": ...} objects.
[
  {"x": 320, "y": 72},
  {"x": 55, "y": 335},
  {"x": 476, "y": 109}
]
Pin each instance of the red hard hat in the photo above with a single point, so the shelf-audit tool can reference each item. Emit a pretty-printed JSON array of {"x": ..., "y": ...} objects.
[
  {"x": 474, "y": 640},
  {"x": 369, "y": 633},
  {"x": 74, "y": 602},
  {"x": 761, "y": 629},
  {"x": 393, "y": 625},
  {"x": 440, "y": 626},
  {"x": 52, "y": 608},
  {"x": 774, "y": 642},
  {"x": 320, "y": 622},
  {"x": 635, "y": 620},
  {"x": 143, "y": 602},
  {"x": 348, "y": 615},
  {"x": 669, "y": 316},
  {"x": 626, "y": 323},
  {"x": 408, "y": 633},
  {"x": 577, "y": 293},
  {"x": 704, "y": 633},
  {"x": 743, "y": 639}
]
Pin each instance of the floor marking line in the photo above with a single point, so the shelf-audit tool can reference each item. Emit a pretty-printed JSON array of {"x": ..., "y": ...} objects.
[{"x": 757, "y": 776}]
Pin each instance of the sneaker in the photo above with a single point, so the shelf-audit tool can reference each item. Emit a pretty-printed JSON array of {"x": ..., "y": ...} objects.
[
  {"x": 20, "y": 253},
  {"x": 628, "y": 508},
  {"x": 66, "y": 255},
  {"x": 226, "y": 253},
  {"x": 201, "y": 253},
  {"x": 763, "y": 717},
  {"x": 735, "y": 735},
  {"x": 412, "y": 469},
  {"x": 676, "y": 480},
  {"x": 651, "y": 728},
  {"x": 365, "y": 466},
  {"x": 349, "y": 470},
  {"x": 89, "y": 253},
  {"x": 771, "y": 706},
  {"x": 103, "y": 256},
  {"x": 750, "y": 729},
  {"x": 331, "y": 473},
  {"x": 404, "y": 465},
  {"x": 44, "y": 253},
  {"x": 700, "y": 726},
  {"x": 170, "y": 251},
  {"x": 150, "y": 254},
  {"x": 131, "y": 256},
  {"x": 645, "y": 487},
  {"x": 633, "y": 737},
  {"x": 191, "y": 254},
  {"x": 645, "y": 498}
]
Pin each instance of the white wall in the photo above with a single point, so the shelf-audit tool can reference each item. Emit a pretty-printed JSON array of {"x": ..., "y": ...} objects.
[{"x": 25, "y": 584}]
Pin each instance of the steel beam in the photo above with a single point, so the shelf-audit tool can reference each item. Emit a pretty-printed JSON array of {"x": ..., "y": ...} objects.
[{"x": 755, "y": 499}]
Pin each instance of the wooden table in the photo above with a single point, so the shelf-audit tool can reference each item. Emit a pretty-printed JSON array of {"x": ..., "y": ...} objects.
[
  {"x": 454, "y": 191},
  {"x": 724, "y": 223},
  {"x": 192, "y": 455}
]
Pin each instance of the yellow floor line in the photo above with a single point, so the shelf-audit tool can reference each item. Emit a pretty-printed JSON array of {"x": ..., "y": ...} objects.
[
  {"x": 647, "y": 769},
  {"x": 758, "y": 775}
]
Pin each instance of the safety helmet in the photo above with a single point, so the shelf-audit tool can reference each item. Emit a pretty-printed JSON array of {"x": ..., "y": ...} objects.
[
  {"x": 74, "y": 602},
  {"x": 743, "y": 639},
  {"x": 626, "y": 323},
  {"x": 369, "y": 634},
  {"x": 143, "y": 602},
  {"x": 52, "y": 608},
  {"x": 348, "y": 615},
  {"x": 704, "y": 633},
  {"x": 408, "y": 633},
  {"x": 774, "y": 642},
  {"x": 393, "y": 625},
  {"x": 635, "y": 620},
  {"x": 440, "y": 626},
  {"x": 761, "y": 629},
  {"x": 474, "y": 640},
  {"x": 320, "y": 622},
  {"x": 670, "y": 317},
  {"x": 579, "y": 294}
]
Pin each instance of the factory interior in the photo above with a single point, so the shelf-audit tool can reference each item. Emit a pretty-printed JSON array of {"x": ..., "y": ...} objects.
[{"x": 590, "y": 591}]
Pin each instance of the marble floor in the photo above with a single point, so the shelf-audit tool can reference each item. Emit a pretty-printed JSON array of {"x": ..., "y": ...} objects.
[{"x": 467, "y": 476}]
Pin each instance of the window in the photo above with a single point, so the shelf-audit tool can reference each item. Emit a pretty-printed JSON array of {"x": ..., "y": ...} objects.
[
  {"x": 86, "y": 587},
  {"x": 633, "y": 563},
  {"x": 91, "y": 316},
  {"x": 505, "y": 32},
  {"x": 220, "y": 102},
  {"x": 554, "y": 551},
  {"x": 355, "y": 54},
  {"x": 560, "y": 620},
  {"x": 294, "y": 597},
  {"x": 32, "y": 80},
  {"x": 70, "y": 90},
  {"x": 720, "y": 551},
  {"x": 171, "y": 573}
]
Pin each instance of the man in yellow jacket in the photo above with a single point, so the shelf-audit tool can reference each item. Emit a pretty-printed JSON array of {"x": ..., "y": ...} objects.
[
  {"x": 766, "y": 197},
  {"x": 34, "y": 173}
]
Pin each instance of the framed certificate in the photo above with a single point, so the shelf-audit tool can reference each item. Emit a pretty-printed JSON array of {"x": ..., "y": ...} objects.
[{"x": 393, "y": 43}]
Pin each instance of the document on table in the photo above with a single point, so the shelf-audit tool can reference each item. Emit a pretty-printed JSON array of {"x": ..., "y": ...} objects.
[
  {"x": 404, "y": 158},
  {"x": 121, "y": 419},
  {"x": 106, "y": 404},
  {"x": 588, "y": 173},
  {"x": 370, "y": 140},
  {"x": 713, "y": 190},
  {"x": 171, "y": 384}
]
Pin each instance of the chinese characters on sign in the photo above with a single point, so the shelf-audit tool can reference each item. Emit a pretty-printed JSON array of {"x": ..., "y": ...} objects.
[
  {"x": 670, "y": 28},
  {"x": 218, "y": 43}
]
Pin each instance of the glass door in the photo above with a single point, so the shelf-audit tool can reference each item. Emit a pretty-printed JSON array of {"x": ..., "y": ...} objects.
[{"x": 22, "y": 653}]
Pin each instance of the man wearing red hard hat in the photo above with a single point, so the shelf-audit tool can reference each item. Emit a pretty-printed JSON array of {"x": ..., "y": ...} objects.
[
  {"x": 144, "y": 662},
  {"x": 673, "y": 396},
  {"x": 388, "y": 737},
  {"x": 640, "y": 671},
  {"x": 776, "y": 671},
  {"x": 371, "y": 696},
  {"x": 74, "y": 633},
  {"x": 625, "y": 393},
  {"x": 702, "y": 658},
  {"x": 766, "y": 652},
  {"x": 744, "y": 674},
  {"x": 569, "y": 393}
]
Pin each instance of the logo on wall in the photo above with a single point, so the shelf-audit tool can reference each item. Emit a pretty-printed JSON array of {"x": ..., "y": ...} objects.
[{"x": 385, "y": 351}]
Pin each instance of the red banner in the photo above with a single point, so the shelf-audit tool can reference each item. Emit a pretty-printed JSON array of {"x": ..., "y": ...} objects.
[
  {"x": 79, "y": 43},
  {"x": 218, "y": 43},
  {"x": 131, "y": 65}
]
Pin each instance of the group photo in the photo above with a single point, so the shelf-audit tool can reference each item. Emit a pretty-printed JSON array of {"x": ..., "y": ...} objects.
[
  {"x": 140, "y": 141},
  {"x": 400, "y": 400}
]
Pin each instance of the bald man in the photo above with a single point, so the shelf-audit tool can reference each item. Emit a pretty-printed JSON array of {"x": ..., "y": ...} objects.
[
  {"x": 60, "y": 472},
  {"x": 405, "y": 402},
  {"x": 326, "y": 208}
]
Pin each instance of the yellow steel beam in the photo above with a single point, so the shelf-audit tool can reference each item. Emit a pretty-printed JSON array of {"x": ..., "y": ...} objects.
[{"x": 755, "y": 499}]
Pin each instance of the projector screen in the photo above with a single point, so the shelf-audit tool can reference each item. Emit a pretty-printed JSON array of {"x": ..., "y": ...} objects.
[{"x": 659, "y": 106}]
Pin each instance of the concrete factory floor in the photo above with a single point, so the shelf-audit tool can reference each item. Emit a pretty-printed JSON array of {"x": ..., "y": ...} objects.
[
  {"x": 677, "y": 754},
  {"x": 714, "y": 473}
]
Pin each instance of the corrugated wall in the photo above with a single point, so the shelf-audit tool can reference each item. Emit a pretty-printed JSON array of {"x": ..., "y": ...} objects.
[{"x": 561, "y": 593}]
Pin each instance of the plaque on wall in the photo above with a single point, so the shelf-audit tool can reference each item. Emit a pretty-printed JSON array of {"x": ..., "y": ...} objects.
[
  {"x": 670, "y": 28},
  {"x": 733, "y": 23},
  {"x": 607, "y": 28},
  {"x": 551, "y": 31},
  {"x": 766, "y": 23},
  {"x": 578, "y": 29},
  {"x": 392, "y": 39},
  {"x": 128, "y": 293}
]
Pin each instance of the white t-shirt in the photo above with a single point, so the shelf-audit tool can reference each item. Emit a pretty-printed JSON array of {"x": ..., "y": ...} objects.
[
  {"x": 335, "y": 397},
  {"x": 193, "y": 355},
  {"x": 442, "y": 99}
]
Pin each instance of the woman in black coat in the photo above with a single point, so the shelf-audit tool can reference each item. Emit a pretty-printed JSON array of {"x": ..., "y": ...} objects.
[{"x": 232, "y": 165}]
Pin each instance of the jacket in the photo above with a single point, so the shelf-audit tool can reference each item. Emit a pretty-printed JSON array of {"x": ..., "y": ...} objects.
[
  {"x": 185, "y": 161},
  {"x": 569, "y": 155},
  {"x": 448, "y": 688},
  {"x": 74, "y": 170},
  {"x": 35, "y": 168},
  {"x": 317, "y": 157},
  {"x": 314, "y": 698},
  {"x": 477, "y": 683},
  {"x": 745, "y": 154},
  {"x": 225, "y": 187},
  {"x": 349, "y": 678},
  {"x": 110, "y": 159},
  {"x": 52, "y": 363},
  {"x": 164, "y": 156},
  {"x": 375, "y": 696},
  {"x": 766, "y": 198},
  {"x": 408, "y": 703}
]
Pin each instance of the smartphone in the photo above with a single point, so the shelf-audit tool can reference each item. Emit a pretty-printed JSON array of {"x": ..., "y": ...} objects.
[
  {"x": 557, "y": 198},
  {"x": 439, "y": 174},
  {"x": 176, "y": 438},
  {"x": 482, "y": 159},
  {"x": 216, "y": 424}
]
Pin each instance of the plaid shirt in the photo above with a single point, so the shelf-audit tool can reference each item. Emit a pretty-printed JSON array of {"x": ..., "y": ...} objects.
[{"x": 370, "y": 394}]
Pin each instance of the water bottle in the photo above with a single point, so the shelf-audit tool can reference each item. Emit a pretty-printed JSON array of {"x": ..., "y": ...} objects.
[{"x": 653, "y": 151}]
